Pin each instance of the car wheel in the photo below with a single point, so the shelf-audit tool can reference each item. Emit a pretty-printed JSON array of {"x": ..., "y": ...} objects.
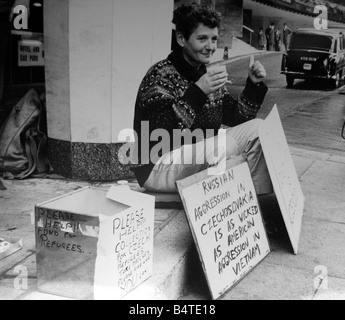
[{"x": 290, "y": 80}]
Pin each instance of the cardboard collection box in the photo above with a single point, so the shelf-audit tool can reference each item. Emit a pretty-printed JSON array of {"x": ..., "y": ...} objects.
[{"x": 94, "y": 243}]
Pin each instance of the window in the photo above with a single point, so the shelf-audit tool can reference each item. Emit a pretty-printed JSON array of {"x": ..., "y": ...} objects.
[{"x": 311, "y": 41}]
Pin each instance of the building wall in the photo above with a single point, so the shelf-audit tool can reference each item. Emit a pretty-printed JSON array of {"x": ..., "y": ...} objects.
[
  {"x": 232, "y": 22},
  {"x": 57, "y": 69},
  {"x": 141, "y": 37},
  {"x": 90, "y": 57},
  {"x": 97, "y": 53}
]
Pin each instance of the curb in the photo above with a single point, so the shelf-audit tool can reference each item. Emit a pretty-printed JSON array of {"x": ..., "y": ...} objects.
[{"x": 316, "y": 155}]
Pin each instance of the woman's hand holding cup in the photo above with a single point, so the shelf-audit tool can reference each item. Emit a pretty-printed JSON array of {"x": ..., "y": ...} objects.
[{"x": 215, "y": 78}]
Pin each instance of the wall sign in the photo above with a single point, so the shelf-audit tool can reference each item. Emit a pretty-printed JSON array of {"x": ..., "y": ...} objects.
[
  {"x": 226, "y": 223},
  {"x": 30, "y": 53}
]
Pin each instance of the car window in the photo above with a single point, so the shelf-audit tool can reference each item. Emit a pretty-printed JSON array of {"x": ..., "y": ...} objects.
[{"x": 311, "y": 41}]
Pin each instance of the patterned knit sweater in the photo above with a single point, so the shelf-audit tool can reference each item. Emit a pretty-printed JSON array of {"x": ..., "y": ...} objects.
[{"x": 169, "y": 99}]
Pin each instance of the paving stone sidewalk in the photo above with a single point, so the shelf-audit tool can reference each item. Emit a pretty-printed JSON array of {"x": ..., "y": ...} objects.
[{"x": 178, "y": 274}]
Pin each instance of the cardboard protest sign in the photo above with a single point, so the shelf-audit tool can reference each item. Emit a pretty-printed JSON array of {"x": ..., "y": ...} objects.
[
  {"x": 283, "y": 175},
  {"x": 125, "y": 245},
  {"x": 88, "y": 245},
  {"x": 226, "y": 223}
]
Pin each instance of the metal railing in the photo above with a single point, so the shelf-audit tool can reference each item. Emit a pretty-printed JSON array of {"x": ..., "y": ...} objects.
[{"x": 251, "y": 32}]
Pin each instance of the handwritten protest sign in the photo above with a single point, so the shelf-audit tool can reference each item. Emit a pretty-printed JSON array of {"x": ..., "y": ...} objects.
[
  {"x": 125, "y": 245},
  {"x": 66, "y": 231},
  {"x": 88, "y": 245},
  {"x": 226, "y": 224},
  {"x": 283, "y": 175}
]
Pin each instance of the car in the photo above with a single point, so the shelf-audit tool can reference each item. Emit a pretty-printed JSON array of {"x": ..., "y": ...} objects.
[{"x": 315, "y": 54}]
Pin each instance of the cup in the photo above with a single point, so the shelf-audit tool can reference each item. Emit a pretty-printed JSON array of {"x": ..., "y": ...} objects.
[{"x": 218, "y": 68}]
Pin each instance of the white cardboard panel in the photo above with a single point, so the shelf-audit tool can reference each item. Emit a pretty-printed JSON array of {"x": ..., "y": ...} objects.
[{"x": 283, "y": 175}]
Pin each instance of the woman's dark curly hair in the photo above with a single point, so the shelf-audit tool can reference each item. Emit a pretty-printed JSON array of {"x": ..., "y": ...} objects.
[{"x": 188, "y": 17}]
